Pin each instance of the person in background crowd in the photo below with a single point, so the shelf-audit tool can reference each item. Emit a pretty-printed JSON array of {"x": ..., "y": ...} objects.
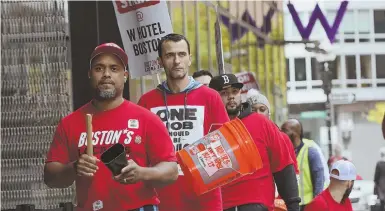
[
  {"x": 337, "y": 155},
  {"x": 151, "y": 164},
  {"x": 311, "y": 169},
  {"x": 260, "y": 104},
  {"x": 336, "y": 196},
  {"x": 256, "y": 192},
  {"x": 190, "y": 111},
  {"x": 379, "y": 178},
  {"x": 322, "y": 156},
  {"x": 203, "y": 76}
]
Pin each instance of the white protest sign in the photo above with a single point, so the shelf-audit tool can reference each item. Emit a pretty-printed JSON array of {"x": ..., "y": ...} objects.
[
  {"x": 249, "y": 82},
  {"x": 142, "y": 24}
]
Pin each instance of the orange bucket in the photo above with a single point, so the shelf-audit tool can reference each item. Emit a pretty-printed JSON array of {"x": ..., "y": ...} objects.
[{"x": 220, "y": 157}]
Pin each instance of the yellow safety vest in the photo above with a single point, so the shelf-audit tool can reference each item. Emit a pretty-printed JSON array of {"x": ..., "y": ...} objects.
[
  {"x": 305, "y": 185},
  {"x": 312, "y": 143}
]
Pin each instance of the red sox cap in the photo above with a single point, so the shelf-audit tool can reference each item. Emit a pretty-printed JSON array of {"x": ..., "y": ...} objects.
[
  {"x": 111, "y": 48},
  {"x": 223, "y": 81}
]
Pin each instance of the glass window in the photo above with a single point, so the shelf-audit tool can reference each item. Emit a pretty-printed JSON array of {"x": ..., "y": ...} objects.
[
  {"x": 379, "y": 21},
  {"x": 300, "y": 69},
  {"x": 366, "y": 66},
  {"x": 331, "y": 16},
  {"x": 351, "y": 67},
  {"x": 315, "y": 72},
  {"x": 287, "y": 70},
  {"x": 288, "y": 25},
  {"x": 363, "y": 21},
  {"x": 336, "y": 67},
  {"x": 380, "y": 66},
  {"x": 347, "y": 25}
]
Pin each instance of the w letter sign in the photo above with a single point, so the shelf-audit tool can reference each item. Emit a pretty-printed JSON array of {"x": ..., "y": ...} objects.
[{"x": 317, "y": 14}]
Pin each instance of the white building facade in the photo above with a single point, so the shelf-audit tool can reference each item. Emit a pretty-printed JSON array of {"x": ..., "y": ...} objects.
[{"x": 358, "y": 73}]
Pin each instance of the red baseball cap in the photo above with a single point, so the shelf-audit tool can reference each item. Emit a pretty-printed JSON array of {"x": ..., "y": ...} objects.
[{"x": 110, "y": 48}]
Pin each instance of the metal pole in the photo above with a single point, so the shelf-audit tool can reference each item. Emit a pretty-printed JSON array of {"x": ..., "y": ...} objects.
[
  {"x": 230, "y": 34},
  {"x": 238, "y": 47},
  {"x": 184, "y": 19},
  {"x": 327, "y": 90},
  {"x": 209, "y": 38},
  {"x": 197, "y": 44}
]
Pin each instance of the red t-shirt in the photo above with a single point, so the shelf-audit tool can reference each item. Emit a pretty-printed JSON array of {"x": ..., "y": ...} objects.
[
  {"x": 291, "y": 151},
  {"x": 190, "y": 116},
  {"x": 325, "y": 202},
  {"x": 259, "y": 187},
  {"x": 131, "y": 125}
]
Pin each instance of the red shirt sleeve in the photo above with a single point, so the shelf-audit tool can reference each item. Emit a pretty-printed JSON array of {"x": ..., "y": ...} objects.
[
  {"x": 218, "y": 114},
  {"x": 58, "y": 151},
  {"x": 318, "y": 204},
  {"x": 158, "y": 142},
  {"x": 279, "y": 154},
  {"x": 290, "y": 147}
]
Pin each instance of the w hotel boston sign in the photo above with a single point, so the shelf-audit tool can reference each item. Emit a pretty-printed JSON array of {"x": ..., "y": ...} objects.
[{"x": 331, "y": 30}]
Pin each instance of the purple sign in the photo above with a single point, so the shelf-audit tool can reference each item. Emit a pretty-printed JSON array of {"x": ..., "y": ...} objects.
[
  {"x": 317, "y": 14},
  {"x": 237, "y": 31}
]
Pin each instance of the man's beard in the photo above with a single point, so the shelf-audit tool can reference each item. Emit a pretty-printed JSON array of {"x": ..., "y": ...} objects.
[
  {"x": 347, "y": 193},
  {"x": 176, "y": 76},
  {"x": 105, "y": 94},
  {"x": 291, "y": 137},
  {"x": 235, "y": 111}
]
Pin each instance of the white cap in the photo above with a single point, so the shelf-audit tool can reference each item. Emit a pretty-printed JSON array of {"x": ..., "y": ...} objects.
[{"x": 346, "y": 170}]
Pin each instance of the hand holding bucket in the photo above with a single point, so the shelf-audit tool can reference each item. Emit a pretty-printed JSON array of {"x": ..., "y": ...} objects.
[
  {"x": 115, "y": 158},
  {"x": 220, "y": 157}
]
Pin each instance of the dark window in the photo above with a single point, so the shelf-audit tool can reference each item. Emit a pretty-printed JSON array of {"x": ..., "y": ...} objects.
[
  {"x": 379, "y": 21},
  {"x": 287, "y": 70},
  {"x": 336, "y": 67},
  {"x": 366, "y": 66},
  {"x": 380, "y": 66},
  {"x": 351, "y": 67},
  {"x": 315, "y": 71},
  {"x": 300, "y": 69}
]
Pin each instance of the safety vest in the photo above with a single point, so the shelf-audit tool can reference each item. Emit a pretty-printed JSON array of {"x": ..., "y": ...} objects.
[
  {"x": 305, "y": 185},
  {"x": 311, "y": 143}
]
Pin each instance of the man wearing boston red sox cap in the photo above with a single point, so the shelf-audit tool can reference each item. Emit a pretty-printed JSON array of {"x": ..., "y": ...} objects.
[
  {"x": 336, "y": 197},
  {"x": 256, "y": 192},
  {"x": 115, "y": 121}
]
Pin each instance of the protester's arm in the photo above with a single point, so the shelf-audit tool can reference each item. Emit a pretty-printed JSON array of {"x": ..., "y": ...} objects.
[
  {"x": 58, "y": 171},
  {"x": 317, "y": 171},
  {"x": 287, "y": 186},
  {"x": 281, "y": 164},
  {"x": 161, "y": 154}
]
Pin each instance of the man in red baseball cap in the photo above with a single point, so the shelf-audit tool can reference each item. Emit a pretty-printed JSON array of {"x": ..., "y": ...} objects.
[
  {"x": 110, "y": 48},
  {"x": 149, "y": 149}
]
